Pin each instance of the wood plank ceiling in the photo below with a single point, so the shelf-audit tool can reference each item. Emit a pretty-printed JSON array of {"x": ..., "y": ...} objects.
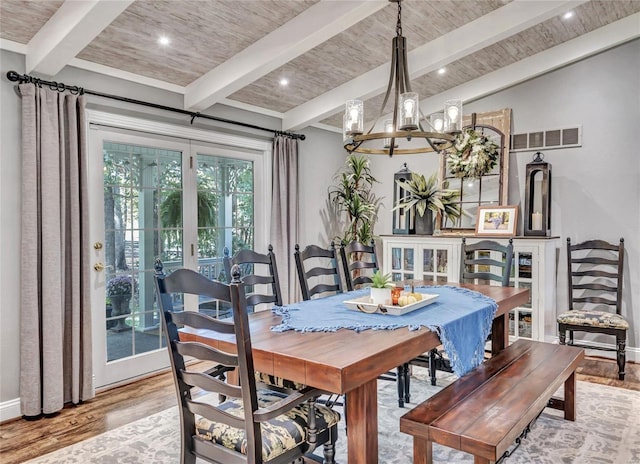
[{"x": 236, "y": 52}]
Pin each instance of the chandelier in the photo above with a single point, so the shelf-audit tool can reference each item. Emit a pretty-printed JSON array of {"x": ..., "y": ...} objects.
[{"x": 407, "y": 117}]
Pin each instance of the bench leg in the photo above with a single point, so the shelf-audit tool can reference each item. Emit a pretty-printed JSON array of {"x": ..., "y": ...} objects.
[
  {"x": 570, "y": 398},
  {"x": 479, "y": 460},
  {"x": 422, "y": 451}
]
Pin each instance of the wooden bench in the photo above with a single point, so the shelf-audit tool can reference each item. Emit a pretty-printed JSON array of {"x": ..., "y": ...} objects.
[{"x": 483, "y": 412}]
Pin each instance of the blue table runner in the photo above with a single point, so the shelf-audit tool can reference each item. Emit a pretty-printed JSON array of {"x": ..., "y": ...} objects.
[{"x": 462, "y": 319}]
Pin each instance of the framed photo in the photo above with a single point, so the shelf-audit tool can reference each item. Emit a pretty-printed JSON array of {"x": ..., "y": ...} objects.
[{"x": 497, "y": 220}]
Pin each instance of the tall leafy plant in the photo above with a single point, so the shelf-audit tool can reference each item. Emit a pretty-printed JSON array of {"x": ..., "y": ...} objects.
[{"x": 353, "y": 198}]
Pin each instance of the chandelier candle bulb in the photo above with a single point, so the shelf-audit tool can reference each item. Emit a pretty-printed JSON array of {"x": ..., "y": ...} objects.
[
  {"x": 354, "y": 113},
  {"x": 437, "y": 121},
  {"x": 453, "y": 115},
  {"x": 408, "y": 111},
  {"x": 388, "y": 127},
  {"x": 536, "y": 221}
]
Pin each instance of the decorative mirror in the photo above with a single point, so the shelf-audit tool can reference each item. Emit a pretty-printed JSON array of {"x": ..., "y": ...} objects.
[{"x": 490, "y": 189}]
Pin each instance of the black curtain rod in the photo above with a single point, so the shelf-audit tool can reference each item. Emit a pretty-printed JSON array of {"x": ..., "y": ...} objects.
[{"x": 13, "y": 76}]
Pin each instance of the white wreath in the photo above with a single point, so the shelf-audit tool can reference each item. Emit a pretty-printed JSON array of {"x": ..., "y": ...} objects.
[{"x": 472, "y": 154}]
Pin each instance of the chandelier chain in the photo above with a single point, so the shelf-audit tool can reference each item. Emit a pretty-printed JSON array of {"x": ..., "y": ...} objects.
[{"x": 399, "y": 23}]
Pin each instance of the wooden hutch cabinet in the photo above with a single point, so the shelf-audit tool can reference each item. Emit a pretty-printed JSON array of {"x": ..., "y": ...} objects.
[{"x": 437, "y": 258}]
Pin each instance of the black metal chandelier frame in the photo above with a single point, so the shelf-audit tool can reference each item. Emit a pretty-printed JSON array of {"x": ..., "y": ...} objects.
[{"x": 400, "y": 83}]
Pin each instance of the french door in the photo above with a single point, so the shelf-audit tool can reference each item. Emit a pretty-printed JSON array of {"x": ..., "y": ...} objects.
[{"x": 160, "y": 200}]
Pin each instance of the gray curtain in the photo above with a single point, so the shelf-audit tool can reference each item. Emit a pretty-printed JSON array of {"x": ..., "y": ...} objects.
[
  {"x": 284, "y": 214},
  {"x": 55, "y": 322}
]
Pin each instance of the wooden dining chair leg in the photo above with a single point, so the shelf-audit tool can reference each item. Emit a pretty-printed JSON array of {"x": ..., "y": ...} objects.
[
  {"x": 407, "y": 383},
  {"x": 621, "y": 342},
  {"x": 400, "y": 378},
  {"x": 432, "y": 365}
]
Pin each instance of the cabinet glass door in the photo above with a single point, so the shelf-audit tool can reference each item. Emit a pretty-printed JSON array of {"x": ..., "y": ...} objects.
[
  {"x": 521, "y": 318},
  {"x": 402, "y": 263}
]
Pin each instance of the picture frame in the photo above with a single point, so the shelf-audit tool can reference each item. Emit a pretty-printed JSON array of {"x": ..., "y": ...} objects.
[{"x": 497, "y": 220}]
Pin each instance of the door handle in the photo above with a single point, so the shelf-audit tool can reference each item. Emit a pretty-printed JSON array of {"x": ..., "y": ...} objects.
[{"x": 98, "y": 267}]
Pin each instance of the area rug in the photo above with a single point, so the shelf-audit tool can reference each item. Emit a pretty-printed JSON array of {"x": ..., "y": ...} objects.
[{"x": 607, "y": 430}]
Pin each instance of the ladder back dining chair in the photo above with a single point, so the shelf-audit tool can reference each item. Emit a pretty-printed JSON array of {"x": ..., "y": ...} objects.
[
  {"x": 594, "y": 272},
  {"x": 318, "y": 270},
  {"x": 257, "y": 269},
  {"x": 249, "y": 425},
  {"x": 260, "y": 269},
  {"x": 483, "y": 262},
  {"x": 359, "y": 263}
]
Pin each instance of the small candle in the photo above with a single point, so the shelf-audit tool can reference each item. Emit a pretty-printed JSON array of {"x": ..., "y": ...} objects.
[{"x": 536, "y": 221}]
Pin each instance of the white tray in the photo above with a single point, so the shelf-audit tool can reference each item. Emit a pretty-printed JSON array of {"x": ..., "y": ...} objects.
[{"x": 364, "y": 304}]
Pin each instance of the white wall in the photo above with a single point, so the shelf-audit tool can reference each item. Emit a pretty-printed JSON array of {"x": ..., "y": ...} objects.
[{"x": 596, "y": 187}]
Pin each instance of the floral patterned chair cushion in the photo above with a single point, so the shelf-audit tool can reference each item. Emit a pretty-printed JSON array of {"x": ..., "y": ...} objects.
[
  {"x": 279, "y": 382},
  {"x": 278, "y": 435},
  {"x": 593, "y": 319}
]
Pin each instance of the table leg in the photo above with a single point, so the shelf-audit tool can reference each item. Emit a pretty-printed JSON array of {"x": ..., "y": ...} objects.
[
  {"x": 570, "y": 398},
  {"x": 499, "y": 334},
  {"x": 362, "y": 413}
]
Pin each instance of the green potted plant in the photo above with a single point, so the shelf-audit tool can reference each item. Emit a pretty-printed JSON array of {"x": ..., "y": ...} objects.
[
  {"x": 381, "y": 285},
  {"x": 354, "y": 201},
  {"x": 119, "y": 291},
  {"x": 424, "y": 197}
]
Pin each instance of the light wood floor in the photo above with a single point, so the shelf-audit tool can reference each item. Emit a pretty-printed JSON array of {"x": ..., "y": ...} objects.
[{"x": 21, "y": 440}]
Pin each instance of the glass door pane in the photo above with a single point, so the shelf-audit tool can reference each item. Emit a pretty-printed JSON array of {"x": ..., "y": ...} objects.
[{"x": 142, "y": 221}]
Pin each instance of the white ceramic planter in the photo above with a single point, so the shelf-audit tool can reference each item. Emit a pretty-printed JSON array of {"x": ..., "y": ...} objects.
[{"x": 381, "y": 296}]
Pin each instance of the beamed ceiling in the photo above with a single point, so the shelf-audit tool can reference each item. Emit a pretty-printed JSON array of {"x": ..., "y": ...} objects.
[{"x": 236, "y": 52}]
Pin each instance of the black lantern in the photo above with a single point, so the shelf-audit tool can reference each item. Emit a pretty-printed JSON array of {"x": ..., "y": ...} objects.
[
  {"x": 537, "y": 198},
  {"x": 402, "y": 217}
]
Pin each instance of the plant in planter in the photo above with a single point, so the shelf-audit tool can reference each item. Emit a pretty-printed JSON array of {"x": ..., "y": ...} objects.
[
  {"x": 353, "y": 198},
  {"x": 425, "y": 198},
  {"x": 381, "y": 285},
  {"x": 119, "y": 291}
]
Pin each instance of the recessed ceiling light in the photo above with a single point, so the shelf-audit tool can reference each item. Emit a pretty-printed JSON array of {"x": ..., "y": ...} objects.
[
  {"x": 568, "y": 15},
  {"x": 442, "y": 70},
  {"x": 164, "y": 40},
  {"x": 284, "y": 82}
]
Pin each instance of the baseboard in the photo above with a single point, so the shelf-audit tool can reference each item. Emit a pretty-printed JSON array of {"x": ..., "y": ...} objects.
[
  {"x": 10, "y": 410},
  {"x": 633, "y": 353}
]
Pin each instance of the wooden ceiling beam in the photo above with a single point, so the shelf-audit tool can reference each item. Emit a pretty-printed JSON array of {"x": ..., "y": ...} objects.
[
  {"x": 597, "y": 41},
  {"x": 304, "y": 32},
  {"x": 510, "y": 19},
  {"x": 68, "y": 32}
]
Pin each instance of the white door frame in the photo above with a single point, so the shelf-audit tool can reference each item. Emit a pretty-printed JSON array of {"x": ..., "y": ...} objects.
[{"x": 152, "y": 133}]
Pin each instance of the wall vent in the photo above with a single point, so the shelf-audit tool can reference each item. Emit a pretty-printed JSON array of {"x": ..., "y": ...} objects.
[{"x": 547, "y": 139}]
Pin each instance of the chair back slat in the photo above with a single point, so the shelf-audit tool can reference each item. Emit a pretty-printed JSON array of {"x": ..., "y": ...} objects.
[
  {"x": 595, "y": 273},
  {"x": 472, "y": 276},
  {"x": 595, "y": 245},
  {"x": 595, "y": 260},
  {"x": 356, "y": 258},
  {"x": 206, "y": 382},
  {"x": 317, "y": 270},
  {"x": 206, "y": 353},
  {"x": 202, "y": 321},
  {"x": 595, "y": 266},
  {"x": 473, "y": 262},
  {"x": 215, "y": 414},
  {"x": 595, "y": 286},
  {"x": 595, "y": 300}
]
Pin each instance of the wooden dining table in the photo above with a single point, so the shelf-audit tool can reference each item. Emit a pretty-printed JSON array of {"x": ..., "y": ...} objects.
[{"x": 349, "y": 362}]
